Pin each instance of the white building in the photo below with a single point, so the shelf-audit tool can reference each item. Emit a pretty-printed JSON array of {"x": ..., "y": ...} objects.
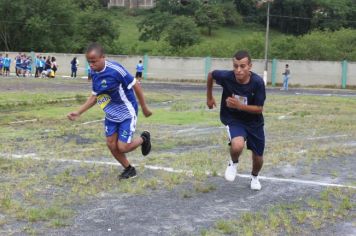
[{"x": 132, "y": 3}]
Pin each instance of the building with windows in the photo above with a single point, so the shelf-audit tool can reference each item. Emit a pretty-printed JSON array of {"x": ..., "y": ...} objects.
[{"x": 132, "y": 3}]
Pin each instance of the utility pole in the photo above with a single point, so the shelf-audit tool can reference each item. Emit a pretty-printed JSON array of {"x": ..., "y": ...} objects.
[{"x": 266, "y": 42}]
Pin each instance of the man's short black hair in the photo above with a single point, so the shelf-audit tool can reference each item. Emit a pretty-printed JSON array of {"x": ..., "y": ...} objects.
[
  {"x": 95, "y": 47},
  {"x": 242, "y": 54}
]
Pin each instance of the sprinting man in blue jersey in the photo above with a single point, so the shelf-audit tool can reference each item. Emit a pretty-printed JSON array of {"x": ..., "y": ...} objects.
[
  {"x": 114, "y": 91},
  {"x": 241, "y": 112}
]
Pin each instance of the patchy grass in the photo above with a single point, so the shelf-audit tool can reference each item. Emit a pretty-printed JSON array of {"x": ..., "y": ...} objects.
[
  {"x": 298, "y": 218},
  {"x": 185, "y": 135}
]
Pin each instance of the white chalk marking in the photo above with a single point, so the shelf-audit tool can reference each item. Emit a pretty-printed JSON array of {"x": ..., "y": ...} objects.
[
  {"x": 90, "y": 122},
  {"x": 23, "y": 121},
  {"x": 327, "y": 94},
  {"x": 284, "y": 116},
  {"x": 171, "y": 170},
  {"x": 326, "y": 137}
]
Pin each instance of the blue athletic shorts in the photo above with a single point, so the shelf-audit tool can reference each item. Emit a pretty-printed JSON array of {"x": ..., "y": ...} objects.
[
  {"x": 125, "y": 129},
  {"x": 255, "y": 137}
]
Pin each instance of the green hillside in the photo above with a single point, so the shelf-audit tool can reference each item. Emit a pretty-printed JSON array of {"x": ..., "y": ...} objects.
[
  {"x": 222, "y": 43},
  {"x": 317, "y": 45}
]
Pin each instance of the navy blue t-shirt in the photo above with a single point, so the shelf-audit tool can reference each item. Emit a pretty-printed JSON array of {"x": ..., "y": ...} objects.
[{"x": 252, "y": 93}]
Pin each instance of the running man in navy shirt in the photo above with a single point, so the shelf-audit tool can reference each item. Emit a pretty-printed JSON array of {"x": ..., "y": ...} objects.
[
  {"x": 241, "y": 109},
  {"x": 114, "y": 89}
]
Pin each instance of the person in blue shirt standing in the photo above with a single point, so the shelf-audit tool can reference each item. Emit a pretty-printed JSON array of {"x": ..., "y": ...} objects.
[
  {"x": 37, "y": 64},
  {"x": 241, "y": 109},
  {"x": 114, "y": 90},
  {"x": 7, "y": 64},
  {"x": 139, "y": 70}
]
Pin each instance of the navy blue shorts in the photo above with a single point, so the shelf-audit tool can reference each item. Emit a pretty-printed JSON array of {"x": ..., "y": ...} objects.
[
  {"x": 255, "y": 137},
  {"x": 125, "y": 129}
]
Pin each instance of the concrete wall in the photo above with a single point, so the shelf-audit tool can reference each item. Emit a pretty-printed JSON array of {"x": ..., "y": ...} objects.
[
  {"x": 303, "y": 73},
  {"x": 176, "y": 68},
  {"x": 351, "y": 73},
  {"x": 311, "y": 72}
]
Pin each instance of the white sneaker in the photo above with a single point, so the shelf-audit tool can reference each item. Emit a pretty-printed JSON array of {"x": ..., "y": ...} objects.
[
  {"x": 255, "y": 183},
  {"x": 231, "y": 171}
]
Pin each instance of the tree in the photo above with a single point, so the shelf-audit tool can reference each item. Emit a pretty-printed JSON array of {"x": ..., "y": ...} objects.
[
  {"x": 153, "y": 25},
  {"x": 334, "y": 15},
  {"x": 246, "y": 7},
  {"x": 209, "y": 16},
  {"x": 176, "y": 7},
  {"x": 285, "y": 12},
  {"x": 182, "y": 32},
  {"x": 36, "y": 25},
  {"x": 97, "y": 26},
  {"x": 231, "y": 16}
]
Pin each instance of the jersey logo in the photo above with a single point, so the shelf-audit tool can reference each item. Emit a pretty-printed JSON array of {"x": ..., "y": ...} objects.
[
  {"x": 103, "y": 84},
  {"x": 124, "y": 134},
  {"x": 243, "y": 100},
  {"x": 103, "y": 100}
]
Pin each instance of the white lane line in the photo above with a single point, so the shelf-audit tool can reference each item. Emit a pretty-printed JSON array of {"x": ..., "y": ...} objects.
[
  {"x": 171, "y": 170},
  {"x": 89, "y": 122},
  {"x": 326, "y": 94},
  {"x": 284, "y": 116},
  {"x": 22, "y": 121},
  {"x": 326, "y": 137}
]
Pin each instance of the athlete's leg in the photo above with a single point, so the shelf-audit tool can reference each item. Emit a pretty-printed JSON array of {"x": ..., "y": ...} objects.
[
  {"x": 257, "y": 163},
  {"x": 237, "y": 136},
  {"x": 256, "y": 143},
  {"x": 237, "y": 145},
  {"x": 126, "y": 142},
  {"x": 111, "y": 142},
  {"x": 128, "y": 147}
]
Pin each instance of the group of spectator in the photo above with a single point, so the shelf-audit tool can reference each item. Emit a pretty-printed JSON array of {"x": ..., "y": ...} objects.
[
  {"x": 45, "y": 67},
  {"x": 23, "y": 65}
]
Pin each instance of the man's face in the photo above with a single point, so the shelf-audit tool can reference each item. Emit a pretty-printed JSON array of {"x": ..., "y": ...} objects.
[
  {"x": 96, "y": 61},
  {"x": 242, "y": 68}
]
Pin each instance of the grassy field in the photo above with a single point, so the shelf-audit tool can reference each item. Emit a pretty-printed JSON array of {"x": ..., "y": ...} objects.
[{"x": 38, "y": 192}]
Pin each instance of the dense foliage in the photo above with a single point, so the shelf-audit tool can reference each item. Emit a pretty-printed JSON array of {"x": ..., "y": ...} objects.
[{"x": 301, "y": 29}]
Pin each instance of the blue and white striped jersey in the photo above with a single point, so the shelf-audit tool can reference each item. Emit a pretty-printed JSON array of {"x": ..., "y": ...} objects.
[{"x": 113, "y": 88}]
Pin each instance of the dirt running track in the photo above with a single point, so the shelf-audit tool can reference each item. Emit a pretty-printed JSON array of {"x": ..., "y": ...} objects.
[{"x": 163, "y": 212}]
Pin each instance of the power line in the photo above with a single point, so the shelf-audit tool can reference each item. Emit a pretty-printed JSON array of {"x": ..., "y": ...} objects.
[
  {"x": 298, "y": 18},
  {"x": 310, "y": 18}
]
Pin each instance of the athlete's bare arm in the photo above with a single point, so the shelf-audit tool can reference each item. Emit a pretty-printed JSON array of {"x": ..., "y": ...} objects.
[
  {"x": 141, "y": 99},
  {"x": 83, "y": 108},
  {"x": 210, "y": 101}
]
